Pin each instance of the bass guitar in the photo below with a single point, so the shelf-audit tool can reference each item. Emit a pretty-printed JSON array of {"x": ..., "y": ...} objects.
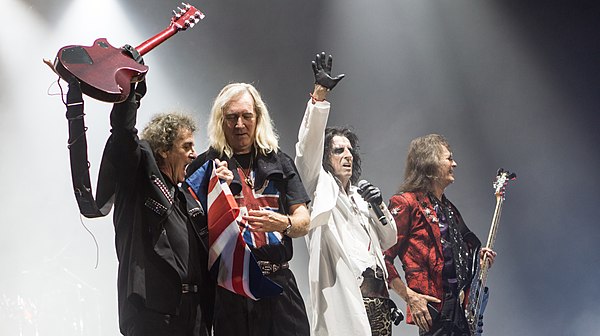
[
  {"x": 105, "y": 72},
  {"x": 479, "y": 293}
]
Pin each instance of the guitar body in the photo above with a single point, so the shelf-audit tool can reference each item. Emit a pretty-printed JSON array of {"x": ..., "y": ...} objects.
[
  {"x": 105, "y": 72},
  {"x": 477, "y": 301}
]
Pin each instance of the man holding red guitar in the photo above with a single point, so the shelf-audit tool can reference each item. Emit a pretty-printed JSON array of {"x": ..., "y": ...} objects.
[
  {"x": 161, "y": 233},
  {"x": 163, "y": 287}
]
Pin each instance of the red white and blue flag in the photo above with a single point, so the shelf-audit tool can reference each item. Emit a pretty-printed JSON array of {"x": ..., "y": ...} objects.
[
  {"x": 265, "y": 198},
  {"x": 230, "y": 259}
]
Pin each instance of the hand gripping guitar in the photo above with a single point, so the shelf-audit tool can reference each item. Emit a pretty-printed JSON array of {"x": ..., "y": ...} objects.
[
  {"x": 479, "y": 293},
  {"x": 106, "y": 72}
]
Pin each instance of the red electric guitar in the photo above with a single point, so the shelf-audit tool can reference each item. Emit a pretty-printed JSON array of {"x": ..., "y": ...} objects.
[{"x": 106, "y": 72}]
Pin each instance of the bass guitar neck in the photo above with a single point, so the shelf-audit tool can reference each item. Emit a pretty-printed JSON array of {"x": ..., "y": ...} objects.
[{"x": 479, "y": 293}]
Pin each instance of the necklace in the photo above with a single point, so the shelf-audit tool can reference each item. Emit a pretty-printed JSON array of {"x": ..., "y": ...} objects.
[{"x": 247, "y": 177}]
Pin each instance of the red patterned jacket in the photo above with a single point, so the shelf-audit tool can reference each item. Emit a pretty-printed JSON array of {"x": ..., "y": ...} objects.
[{"x": 419, "y": 244}]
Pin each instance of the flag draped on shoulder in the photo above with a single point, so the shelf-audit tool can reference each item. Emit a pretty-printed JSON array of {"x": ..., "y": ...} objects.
[{"x": 230, "y": 260}]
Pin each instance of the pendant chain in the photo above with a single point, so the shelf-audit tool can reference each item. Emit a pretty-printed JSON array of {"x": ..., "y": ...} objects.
[{"x": 247, "y": 177}]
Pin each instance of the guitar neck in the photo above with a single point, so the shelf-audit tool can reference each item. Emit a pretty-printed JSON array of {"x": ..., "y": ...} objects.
[
  {"x": 184, "y": 18},
  {"x": 495, "y": 222},
  {"x": 156, "y": 40},
  {"x": 492, "y": 236}
]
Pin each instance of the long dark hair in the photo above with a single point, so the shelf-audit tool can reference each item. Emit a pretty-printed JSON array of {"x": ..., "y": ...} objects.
[
  {"x": 422, "y": 163},
  {"x": 330, "y": 132}
]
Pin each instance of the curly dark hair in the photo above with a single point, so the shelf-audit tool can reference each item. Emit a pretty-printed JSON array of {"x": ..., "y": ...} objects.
[
  {"x": 163, "y": 130},
  {"x": 330, "y": 132}
]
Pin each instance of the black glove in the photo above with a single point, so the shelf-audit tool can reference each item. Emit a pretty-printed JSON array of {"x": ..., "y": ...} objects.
[
  {"x": 131, "y": 51},
  {"x": 369, "y": 192},
  {"x": 322, "y": 69},
  {"x": 139, "y": 89}
]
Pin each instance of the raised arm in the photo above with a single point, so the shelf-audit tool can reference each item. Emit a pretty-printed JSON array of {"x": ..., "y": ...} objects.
[
  {"x": 123, "y": 145},
  {"x": 309, "y": 148}
]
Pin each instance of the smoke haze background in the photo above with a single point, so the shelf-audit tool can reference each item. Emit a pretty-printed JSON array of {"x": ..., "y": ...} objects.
[{"x": 510, "y": 84}]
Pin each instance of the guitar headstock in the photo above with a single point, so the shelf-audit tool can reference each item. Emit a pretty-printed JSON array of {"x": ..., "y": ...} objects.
[
  {"x": 186, "y": 17},
  {"x": 502, "y": 179}
]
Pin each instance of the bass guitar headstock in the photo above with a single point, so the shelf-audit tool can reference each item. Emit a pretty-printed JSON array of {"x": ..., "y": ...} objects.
[
  {"x": 502, "y": 179},
  {"x": 186, "y": 17}
]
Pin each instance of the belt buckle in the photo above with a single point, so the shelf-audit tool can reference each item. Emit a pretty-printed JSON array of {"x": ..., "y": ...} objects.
[
  {"x": 379, "y": 274},
  {"x": 265, "y": 267},
  {"x": 187, "y": 288},
  {"x": 268, "y": 267}
]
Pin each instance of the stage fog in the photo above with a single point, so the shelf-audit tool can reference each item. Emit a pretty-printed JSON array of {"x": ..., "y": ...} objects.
[{"x": 510, "y": 85}]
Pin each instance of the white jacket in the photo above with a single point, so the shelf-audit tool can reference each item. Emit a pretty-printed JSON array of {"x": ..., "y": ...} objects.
[{"x": 345, "y": 237}]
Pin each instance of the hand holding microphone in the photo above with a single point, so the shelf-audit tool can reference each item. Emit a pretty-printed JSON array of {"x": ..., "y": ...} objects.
[{"x": 372, "y": 195}]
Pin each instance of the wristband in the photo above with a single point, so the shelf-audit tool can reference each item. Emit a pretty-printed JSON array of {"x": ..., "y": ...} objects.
[
  {"x": 314, "y": 99},
  {"x": 288, "y": 228}
]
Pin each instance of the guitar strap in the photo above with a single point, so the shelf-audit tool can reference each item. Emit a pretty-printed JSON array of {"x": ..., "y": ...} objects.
[
  {"x": 101, "y": 205},
  {"x": 89, "y": 206}
]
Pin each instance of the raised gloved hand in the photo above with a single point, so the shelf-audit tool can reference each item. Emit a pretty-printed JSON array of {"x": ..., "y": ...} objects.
[
  {"x": 369, "y": 192},
  {"x": 139, "y": 89},
  {"x": 322, "y": 70}
]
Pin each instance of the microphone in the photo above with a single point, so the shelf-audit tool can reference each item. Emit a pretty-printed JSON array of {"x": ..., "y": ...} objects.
[{"x": 364, "y": 188}]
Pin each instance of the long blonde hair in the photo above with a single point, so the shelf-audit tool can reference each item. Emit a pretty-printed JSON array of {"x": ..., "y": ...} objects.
[{"x": 265, "y": 139}]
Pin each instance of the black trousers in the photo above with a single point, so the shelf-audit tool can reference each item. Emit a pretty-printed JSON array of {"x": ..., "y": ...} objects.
[
  {"x": 283, "y": 315},
  {"x": 189, "y": 322}
]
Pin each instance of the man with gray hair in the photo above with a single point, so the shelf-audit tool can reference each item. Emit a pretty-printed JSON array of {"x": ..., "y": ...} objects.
[{"x": 272, "y": 200}]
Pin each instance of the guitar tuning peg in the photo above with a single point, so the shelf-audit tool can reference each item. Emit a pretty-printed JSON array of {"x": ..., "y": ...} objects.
[{"x": 186, "y": 5}]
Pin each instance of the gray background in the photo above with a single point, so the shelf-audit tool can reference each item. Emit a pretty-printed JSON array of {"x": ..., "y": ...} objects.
[{"x": 511, "y": 84}]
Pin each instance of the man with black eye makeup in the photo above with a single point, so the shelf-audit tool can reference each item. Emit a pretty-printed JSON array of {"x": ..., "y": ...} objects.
[{"x": 350, "y": 225}]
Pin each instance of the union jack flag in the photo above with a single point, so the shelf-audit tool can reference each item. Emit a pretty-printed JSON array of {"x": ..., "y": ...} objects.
[
  {"x": 265, "y": 198},
  {"x": 230, "y": 260}
]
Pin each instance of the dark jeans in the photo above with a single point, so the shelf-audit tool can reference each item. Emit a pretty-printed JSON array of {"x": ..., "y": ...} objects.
[{"x": 189, "y": 321}]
